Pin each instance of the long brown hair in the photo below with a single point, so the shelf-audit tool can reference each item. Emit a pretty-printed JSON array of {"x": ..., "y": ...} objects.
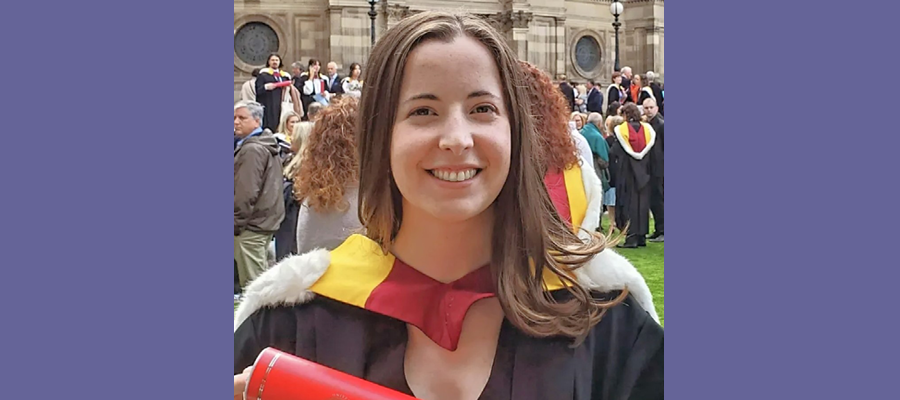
[
  {"x": 329, "y": 159},
  {"x": 549, "y": 109},
  {"x": 532, "y": 230}
]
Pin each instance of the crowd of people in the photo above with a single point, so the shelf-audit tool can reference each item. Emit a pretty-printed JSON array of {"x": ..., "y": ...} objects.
[
  {"x": 430, "y": 202},
  {"x": 627, "y": 140},
  {"x": 623, "y": 145}
]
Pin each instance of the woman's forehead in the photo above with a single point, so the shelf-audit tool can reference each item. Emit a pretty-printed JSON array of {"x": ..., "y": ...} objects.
[{"x": 462, "y": 64}]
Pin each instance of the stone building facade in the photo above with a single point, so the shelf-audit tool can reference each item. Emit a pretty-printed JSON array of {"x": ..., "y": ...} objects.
[{"x": 571, "y": 37}]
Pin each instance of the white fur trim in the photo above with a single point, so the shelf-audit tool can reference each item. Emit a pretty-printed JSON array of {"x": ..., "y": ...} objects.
[
  {"x": 649, "y": 91},
  {"x": 287, "y": 283},
  {"x": 627, "y": 147},
  {"x": 610, "y": 271}
]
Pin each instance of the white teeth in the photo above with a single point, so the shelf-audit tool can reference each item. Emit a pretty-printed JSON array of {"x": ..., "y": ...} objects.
[{"x": 454, "y": 176}]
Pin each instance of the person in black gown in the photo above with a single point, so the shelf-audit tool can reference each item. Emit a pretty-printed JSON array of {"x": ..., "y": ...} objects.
[
  {"x": 634, "y": 151},
  {"x": 440, "y": 297},
  {"x": 268, "y": 95}
]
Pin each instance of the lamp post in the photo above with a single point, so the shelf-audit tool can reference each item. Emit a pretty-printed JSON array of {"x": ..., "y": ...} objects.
[
  {"x": 372, "y": 15},
  {"x": 616, "y": 9}
]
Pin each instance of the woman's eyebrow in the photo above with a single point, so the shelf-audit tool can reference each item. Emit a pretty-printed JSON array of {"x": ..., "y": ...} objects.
[
  {"x": 422, "y": 96},
  {"x": 429, "y": 96}
]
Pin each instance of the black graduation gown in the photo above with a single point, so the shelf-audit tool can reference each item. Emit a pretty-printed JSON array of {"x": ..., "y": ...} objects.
[
  {"x": 349, "y": 309},
  {"x": 305, "y": 100},
  {"x": 633, "y": 187},
  {"x": 612, "y": 95},
  {"x": 643, "y": 95},
  {"x": 270, "y": 99},
  {"x": 622, "y": 357}
]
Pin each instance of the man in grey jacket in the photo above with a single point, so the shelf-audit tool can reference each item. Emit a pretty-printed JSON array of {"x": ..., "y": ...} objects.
[{"x": 258, "y": 203}]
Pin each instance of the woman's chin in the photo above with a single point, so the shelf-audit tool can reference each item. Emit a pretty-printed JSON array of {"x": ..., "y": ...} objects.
[{"x": 456, "y": 211}]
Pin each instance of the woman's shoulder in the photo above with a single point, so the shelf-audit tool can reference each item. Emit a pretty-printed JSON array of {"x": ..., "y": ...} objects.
[
  {"x": 609, "y": 272},
  {"x": 341, "y": 274}
]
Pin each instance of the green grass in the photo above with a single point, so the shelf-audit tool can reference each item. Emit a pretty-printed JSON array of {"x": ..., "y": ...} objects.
[{"x": 649, "y": 261}]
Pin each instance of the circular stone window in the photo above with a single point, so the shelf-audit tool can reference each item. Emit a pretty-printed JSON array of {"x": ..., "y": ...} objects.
[
  {"x": 587, "y": 53},
  {"x": 254, "y": 41}
]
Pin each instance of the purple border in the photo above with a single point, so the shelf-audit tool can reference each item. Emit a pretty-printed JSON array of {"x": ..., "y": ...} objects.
[
  {"x": 116, "y": 244},
  {"x": 766, "y": 213},
  {"x": 115, "y": 205}
]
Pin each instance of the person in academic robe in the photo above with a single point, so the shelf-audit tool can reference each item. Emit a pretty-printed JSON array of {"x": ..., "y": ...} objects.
[
  {"x": 615, "y": 94},
  {"x": 267, "y": 94},
  {"x": 312, "y": 87},
  {"x": 641, "y": 91},
  {"x": 466, "y": 284},
  {"x": 635, "y": 148}
]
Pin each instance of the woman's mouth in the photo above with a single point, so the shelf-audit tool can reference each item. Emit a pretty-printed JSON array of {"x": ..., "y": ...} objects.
[{"x": 455, "y": 176}]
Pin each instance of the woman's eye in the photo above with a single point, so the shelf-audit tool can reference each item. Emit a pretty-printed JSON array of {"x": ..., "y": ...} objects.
[
  {"x": 421, "y": 112},
  {"x": 485, "y": 109}
]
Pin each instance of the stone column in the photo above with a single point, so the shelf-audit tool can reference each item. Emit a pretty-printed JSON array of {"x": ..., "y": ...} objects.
[
  {"x": 560, "y": 47},
  {"x": 519, "y": 33},
  {"x": 335, "y": 36},
  {"x": 643, "y": 30}
]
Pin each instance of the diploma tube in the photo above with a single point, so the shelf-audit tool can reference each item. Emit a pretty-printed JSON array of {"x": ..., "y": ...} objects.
[{"x": 281, "y": 376}]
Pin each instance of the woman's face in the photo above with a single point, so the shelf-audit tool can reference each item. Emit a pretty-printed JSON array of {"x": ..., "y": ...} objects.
[
  {"x": 274, "y": 61},
  {"x": 450, "y": 145},
  {"x": 314, "y": 69},
  {"x": 289, "y": 124},
  {"x": 578, "y": 122},
  {"x": 355, "y": 73},
  {"x": 619, "y": 80},
  {"x": 637, "y": 80}
]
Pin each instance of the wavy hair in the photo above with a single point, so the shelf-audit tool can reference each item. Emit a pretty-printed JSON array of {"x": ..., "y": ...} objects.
[
  {"x": 329, "y": 163},
  {"x": 549, "y": 110},
  {"x": 532, "y": 239}
]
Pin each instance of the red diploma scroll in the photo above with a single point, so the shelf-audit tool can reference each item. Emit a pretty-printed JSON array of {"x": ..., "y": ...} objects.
[
  {"x": 281, "y": 376},
  {"x": 283, "y": 84}
]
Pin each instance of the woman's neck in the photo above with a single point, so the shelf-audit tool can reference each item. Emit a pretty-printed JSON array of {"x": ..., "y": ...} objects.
[{"x": 444, "y": 251}]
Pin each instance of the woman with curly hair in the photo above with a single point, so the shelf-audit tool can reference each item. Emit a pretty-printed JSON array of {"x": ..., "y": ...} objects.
[
  {"x": 564, "y": 154},
  {"x": 326, "y": 185}
]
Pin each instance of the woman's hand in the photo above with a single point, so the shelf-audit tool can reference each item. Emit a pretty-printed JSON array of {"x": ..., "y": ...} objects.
[
  {"x": 269, "y": 86},
  {"x": 240, "y": 383}
]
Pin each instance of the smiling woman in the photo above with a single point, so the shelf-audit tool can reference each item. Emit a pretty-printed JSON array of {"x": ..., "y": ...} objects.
[{"x": 465, "y": 275}]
